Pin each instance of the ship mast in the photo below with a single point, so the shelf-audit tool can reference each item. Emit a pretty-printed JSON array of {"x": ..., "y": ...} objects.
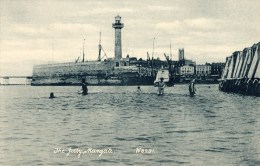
[
  {"x": 171, "y": 50},
  {"x": 153, "y": 47},
  {"x": 152, "y": 56},
  {"x": 83, "y": 51}
]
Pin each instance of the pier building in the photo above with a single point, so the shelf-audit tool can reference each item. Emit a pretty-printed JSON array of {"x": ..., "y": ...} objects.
[{"x": 203, "y": 70}]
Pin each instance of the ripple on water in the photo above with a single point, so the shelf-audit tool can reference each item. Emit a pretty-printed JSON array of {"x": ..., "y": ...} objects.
[{"x": 181, "y": 129}]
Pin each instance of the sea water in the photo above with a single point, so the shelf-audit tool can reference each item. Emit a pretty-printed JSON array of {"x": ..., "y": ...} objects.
[{"x": 115, "y": 125}]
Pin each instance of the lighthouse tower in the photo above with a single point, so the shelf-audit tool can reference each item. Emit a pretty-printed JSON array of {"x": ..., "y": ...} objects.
[{"x": 118, "y": 45}]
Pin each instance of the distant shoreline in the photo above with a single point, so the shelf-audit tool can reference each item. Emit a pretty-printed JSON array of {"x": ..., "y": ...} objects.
[{"x": 104, "y": 85}]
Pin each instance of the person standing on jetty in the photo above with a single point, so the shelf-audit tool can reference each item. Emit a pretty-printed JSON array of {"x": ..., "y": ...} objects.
[
  {"x": 192, "y": 88},
  {"x": 161, "y": 86},
  {"x": 84, "y": 87}
]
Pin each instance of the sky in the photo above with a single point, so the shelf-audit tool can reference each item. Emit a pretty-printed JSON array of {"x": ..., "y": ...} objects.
[{"x": 49, "y": 31}]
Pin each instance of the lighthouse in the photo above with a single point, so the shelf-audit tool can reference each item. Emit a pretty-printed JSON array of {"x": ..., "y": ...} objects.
[{"x": 118, "y": 44}]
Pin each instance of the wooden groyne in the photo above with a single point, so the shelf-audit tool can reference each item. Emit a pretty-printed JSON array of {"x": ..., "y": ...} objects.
[{"x": 242, "y": 72}]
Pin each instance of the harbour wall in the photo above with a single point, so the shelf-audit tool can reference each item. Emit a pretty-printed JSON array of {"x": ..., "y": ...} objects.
[
  {"x": 70, "y": 73},
  {"x": 71, "y": 69},
  {"x": 95, "y": 73}
]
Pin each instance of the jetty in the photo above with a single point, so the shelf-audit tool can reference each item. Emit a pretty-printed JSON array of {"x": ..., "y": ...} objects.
[{"x": 242, "y": 72}]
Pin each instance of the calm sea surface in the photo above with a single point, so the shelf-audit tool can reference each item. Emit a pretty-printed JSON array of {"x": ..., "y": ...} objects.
[{"x": 211, "y": 128}]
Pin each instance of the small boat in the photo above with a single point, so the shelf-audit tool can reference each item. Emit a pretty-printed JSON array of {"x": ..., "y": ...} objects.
[{"x": 162, "y": 73}]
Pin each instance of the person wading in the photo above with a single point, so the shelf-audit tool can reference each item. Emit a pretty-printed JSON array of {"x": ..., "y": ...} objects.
[
  {"x": 84, "y": 87},
  {"x": 192, "y": 88},
  {"x": 161, "y": 86}
]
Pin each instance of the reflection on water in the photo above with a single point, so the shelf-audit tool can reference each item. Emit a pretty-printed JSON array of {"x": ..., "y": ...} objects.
[{"x": 211, "y": 128}]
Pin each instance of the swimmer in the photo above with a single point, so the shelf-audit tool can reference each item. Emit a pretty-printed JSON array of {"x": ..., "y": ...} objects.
[
  {"x": 52, "y": 95},
  {"x": 139, "y": 90}
]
